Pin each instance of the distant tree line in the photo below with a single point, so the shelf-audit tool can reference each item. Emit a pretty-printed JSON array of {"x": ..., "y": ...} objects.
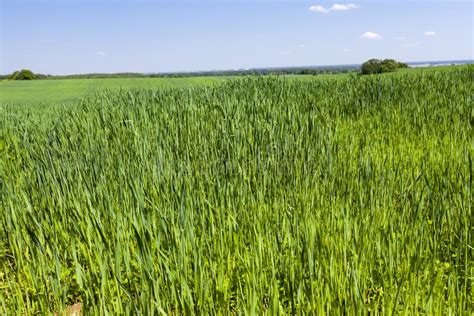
[
  {"x": 26, "y": 74},
  {"x": 378, "y": 66},
  {"x": 264, "y": 71},
  {"x": 372, "y": 66}
]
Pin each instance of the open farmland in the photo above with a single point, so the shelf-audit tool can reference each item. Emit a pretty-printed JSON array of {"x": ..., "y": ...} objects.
[
  {"x": 341, "y": 195},
  {"x": 64, "y": 90}
]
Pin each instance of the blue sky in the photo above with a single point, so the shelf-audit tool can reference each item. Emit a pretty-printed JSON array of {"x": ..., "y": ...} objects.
[{"x": 73, "y": 36}]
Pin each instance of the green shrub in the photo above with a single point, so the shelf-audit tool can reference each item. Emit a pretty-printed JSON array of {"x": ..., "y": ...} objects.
[
  {"x": 378, "y": 66},
  {"x": 24, "y": 74}
]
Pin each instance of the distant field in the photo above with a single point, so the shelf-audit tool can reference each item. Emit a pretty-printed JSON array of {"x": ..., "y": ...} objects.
[
  {"x": 62, "y": 90},
  {"x": 57, "y": 91}
]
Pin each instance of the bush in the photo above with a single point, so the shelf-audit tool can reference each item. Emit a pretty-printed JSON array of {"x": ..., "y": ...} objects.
[
  {"x": 377, "y": 66},
  {"x": 24, "y": 74},
  {"x": 402, "y": 65}
]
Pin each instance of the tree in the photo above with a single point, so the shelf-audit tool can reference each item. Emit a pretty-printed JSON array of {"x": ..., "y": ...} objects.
[
  {"x": 378, "y": 66},
  {"x": 24, "y": 74},
  {"x": 388, "y": 65},
  {"x": 402, "y": 65},
  {"x": 372, "y": 66}
]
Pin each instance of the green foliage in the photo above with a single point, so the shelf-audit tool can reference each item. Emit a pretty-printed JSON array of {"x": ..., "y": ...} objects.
[
  {"x": 23, "y": 74},
  {"x": 388, "y": 65},
  {"x": 402, "y": 65},
  {"x": 349, "y": 195},
  {"x": 378, "y": 66}
]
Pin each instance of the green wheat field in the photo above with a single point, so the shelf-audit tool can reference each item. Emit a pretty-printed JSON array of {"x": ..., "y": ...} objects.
[{"x": 256, "y": 195}]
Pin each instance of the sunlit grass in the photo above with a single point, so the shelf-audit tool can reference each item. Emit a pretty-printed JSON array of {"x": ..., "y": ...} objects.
[
  {"x": 69, "y": 90},
  {"x": 260, "y": 195}
]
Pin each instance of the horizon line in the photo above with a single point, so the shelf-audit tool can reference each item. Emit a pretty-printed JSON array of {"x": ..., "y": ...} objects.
[{"x": 459, "y": 61}]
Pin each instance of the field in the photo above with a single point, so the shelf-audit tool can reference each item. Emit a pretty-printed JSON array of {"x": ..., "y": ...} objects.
[
  {"x": 64, "y": 90},
  {"x": 338, "y": 195}
]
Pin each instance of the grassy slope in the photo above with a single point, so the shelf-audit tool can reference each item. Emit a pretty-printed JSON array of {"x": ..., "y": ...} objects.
[{"x": 52, "y": 92}]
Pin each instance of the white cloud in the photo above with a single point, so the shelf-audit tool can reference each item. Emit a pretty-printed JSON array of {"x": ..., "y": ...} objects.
[
  {"x": 100, "y": 53},
  {"x": 430, "y": 33},
  {"x": 335, "y": 7},
  {"x": 371, "y": 36},
  {"x": 344, "y": 7},
  {"x": 301, "y": 46},
  {"x": 347, "y": 50},
  {"x": 318, "y": 8}
]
